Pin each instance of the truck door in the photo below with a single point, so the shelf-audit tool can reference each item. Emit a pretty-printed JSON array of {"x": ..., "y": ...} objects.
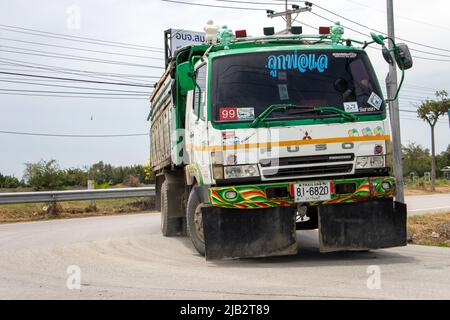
[{"x": 196, "y": 128}]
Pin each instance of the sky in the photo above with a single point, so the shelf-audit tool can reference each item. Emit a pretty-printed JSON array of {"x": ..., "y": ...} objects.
[{"x": 133, "y": 54}]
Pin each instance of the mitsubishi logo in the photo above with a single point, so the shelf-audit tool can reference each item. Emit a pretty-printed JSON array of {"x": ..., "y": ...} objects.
[{"x": 307, "y": 136}]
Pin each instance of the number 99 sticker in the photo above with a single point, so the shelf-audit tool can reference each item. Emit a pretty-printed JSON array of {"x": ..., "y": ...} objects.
[
  {"x": 234, "y": 114},
  {"x": 228, "y": 114}
]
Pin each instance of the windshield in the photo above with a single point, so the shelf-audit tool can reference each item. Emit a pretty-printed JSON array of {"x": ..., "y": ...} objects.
[{"x": 245, "y": 85}]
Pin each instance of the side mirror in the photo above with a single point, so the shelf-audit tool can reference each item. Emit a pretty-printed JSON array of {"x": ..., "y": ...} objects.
[
  {"x": 185, "y": 77},
  {"x": 403, "y": 57}
]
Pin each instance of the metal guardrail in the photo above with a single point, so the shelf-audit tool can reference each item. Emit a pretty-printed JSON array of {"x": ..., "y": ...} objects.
[{"x": 74, "y": 195}]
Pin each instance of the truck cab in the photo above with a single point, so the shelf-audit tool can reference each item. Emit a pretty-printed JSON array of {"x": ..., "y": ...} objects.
[{"x": 253, "y": 138}]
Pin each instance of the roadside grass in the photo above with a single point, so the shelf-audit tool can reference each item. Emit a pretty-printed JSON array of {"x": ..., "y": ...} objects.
[
  {"x": 73, "y": 209},
  {"x": 424, "y": 187},
  {"x": 431, "y": 229}
]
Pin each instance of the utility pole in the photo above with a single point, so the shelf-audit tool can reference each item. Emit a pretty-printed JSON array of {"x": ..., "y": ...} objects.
[
  {"x": 288, "y": 13},
  {"x": 391, "y": 84}
]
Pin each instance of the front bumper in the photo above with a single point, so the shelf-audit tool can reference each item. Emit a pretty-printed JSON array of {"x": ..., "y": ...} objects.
[{"x": 271, "y": 195}]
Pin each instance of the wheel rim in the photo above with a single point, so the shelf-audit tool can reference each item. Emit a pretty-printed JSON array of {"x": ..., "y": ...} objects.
[{"x": 198, "y": 223}]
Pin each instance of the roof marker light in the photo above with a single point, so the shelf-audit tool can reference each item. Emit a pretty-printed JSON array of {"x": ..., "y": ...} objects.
[
  {"x": 296, "y": 30},
  {"x": 241, "y": 33},
  {"x": 269, "y": 31},
  {"x": 324, "y": 30}
]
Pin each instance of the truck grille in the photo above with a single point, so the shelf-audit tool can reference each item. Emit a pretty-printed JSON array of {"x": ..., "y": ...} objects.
[
  {"x": 292, "y": 161},
  {"x": 308, "y": 166},
  {"x": 307, "y": 171}
]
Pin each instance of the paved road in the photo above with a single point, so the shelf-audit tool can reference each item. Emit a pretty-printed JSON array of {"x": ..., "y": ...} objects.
[
  {"x": 126, "y": 257},
  {"x": 428, "y": 203}
]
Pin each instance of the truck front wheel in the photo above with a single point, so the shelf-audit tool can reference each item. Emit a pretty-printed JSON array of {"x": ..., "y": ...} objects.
[{"x": 194, "y": 221}]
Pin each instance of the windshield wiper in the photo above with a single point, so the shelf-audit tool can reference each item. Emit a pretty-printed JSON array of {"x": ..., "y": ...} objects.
[
  {"x": 263, "y": 116},
  {"x": 271, "y": 109},
  {"x": 344, "y": 114}
]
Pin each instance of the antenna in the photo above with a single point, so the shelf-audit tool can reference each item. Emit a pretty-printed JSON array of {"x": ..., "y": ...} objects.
[{"x": 287, "y": 14}]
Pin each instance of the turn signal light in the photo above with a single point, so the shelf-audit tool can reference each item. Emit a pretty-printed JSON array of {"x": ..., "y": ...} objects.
[
  {"x": 324, "y": 30},
  {"x": 241, "y": 33}
]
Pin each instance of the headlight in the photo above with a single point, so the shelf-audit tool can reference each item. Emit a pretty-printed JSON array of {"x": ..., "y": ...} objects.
[
  {"x": 370, "y": 162},
  {"x": 246, "y": 171}
]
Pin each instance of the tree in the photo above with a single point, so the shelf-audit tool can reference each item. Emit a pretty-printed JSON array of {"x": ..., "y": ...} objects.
[
  {"x": 416, "y": 159},
  {"x": 443, "y": 160},
  {"x": 101, "y": 173},
  {"x": 9, "y": 182},
  {"x": 430, "y": 111},
  {"x": 43, "y": 175}
]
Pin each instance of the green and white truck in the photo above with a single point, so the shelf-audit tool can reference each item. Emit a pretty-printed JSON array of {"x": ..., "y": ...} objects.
[{"x": 253, "y": 138}]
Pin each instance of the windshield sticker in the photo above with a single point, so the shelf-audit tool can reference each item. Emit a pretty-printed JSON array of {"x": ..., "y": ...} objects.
[
  {"x": 283, "y": 92},
  {"x": 246, "y": 113},
  {"x": 378, "y": 131},
  {"x": 353, "y": 133},
  {"x": 346, "y": 55},
  {"x": 235, "y": 114},
  {"x": 351, "y": 107},
  {"x": 229, "y": 138},
  {"x": 367, "y": 109},
  {"x": 367, "y": 132},
  {"x": 228, "y": 114},
  {"x": 302, "y": 62},
  {"x": 375, "y": 101}
]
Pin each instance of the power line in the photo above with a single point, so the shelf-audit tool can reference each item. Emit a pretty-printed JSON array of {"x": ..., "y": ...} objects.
[
  {"x": 213, "y": 6},
  {"x": 251, "y": 2},
  {"x": 77, "y": 80},
  {"x": 86, "y": 59},
  {"x": 69, "y": 96},
  {"x": 79, "y": 39},
  {"x": 72, "y": 92},
  {"x": 365, "y": 35},
  {"x": 118, "y": 75},
  {"x": 70, "y": 87},
  {"x": 74, "y": 135},
  {"x": 59, "y": 69},
  {"x": 78, "y": 49},
  {"x": 399, "y": 16},
  {"x": 384, "y": 33}
]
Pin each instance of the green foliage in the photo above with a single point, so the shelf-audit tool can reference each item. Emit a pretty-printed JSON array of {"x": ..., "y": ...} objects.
[
  {"x": 74, "y": 177},
  {"x": 417, "y": 159},
  {"x": 443, "y": 160},
  {"x": 104, "y": 185},
  {"x": 102, "y": 173},
  {"x": 9, "y": 182},
  {"x": 44, "y": 175},
  {"x": 47, "y": 175},
  {"x": 431, "y": 110}
]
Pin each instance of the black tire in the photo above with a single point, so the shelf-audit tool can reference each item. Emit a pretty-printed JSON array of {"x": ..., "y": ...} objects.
[
  {"x": 194, "y": 226},
  {"x": 169, "y": 226}
]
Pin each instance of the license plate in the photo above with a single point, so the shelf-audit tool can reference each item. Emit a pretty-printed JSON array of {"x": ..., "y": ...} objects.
[{"x": 312, "y": 191}]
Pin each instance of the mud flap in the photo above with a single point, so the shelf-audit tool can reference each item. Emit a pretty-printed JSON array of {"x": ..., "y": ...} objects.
[
  {"x": 235, "y": 233},
  {"x": 366, "y": 225}
]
